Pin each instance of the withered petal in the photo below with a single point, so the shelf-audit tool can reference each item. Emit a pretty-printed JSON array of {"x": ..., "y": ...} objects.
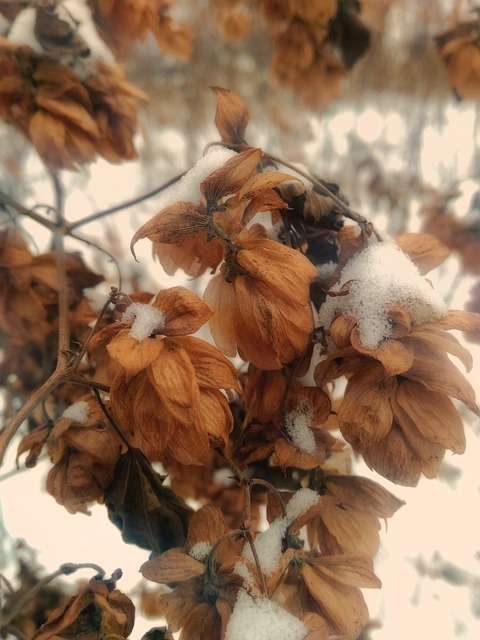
[
  {"x": 132, "y": 355},
  {"x": 184, "y": 311},
  {"x": 173, "y": 565}
]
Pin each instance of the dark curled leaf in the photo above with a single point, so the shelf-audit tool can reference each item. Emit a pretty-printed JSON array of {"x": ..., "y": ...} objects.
[{"x": 148, "y": 514}]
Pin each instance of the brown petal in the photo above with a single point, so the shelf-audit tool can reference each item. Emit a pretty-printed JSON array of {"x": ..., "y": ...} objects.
[
  {"x": 364, "y": 494},
  {"x": 340, "y": 330},
  {"x": 393, "y": 458},
  {"x": 173, "y": 376},
  {"x": 132, "y": 354},
  {"x": 174, "y": 565},
  {"x": 220, "y": 297},
  {"x": 261, "y": 182},
  {"x": 287, "y": 455},
  {"x": 231, "y": 117},
  {"x": 395, "y": 357},
  {"x": 212, "y": 369},
  {"x": 231, "y": 177},
  {"x": 429, "y": 454},
  {"x": 184, "y": 311},
  {"x": 344, "y": 607},
  {"x": 172, "y": 224},
  {"x": 356, "y": 571},
  {"x": 215, "y": 417},
  {"x": 206, "y": 525},
  {"x": 437, "y": 372},
  {"x": 425, "y": 250},
  {"x": 365, "y": 415},
  {"x": 434, "y": 415},
  {"x": 72, "y": 111}
]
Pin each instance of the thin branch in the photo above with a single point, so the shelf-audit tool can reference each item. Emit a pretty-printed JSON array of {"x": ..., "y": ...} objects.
[
  {"x": 85, "y": 382},
  {"x": 96, "y": 246},
  {"x": 261, "y": 577},
  {"x": 324, "y": 190},
  {"x": 7, "y": 200},
  {"x": 271, "y": 487},
  {"x": 110, "y": 418},
  {"x": 124, "y": 205},
  {"x": 26, "y": 409}
]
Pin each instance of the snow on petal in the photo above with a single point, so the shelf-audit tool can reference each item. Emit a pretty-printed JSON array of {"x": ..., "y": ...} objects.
[{"x": 262, "y": 619}]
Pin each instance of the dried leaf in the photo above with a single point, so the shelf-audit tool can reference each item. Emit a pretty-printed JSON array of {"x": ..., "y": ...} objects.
[{"x": 159, "y": 520}]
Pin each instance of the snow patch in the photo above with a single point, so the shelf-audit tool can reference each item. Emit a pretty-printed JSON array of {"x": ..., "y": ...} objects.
[
  {"x": 77, "y": 412},
  {"x": 23, "y": 30},
  {"x": 200, "y": 551},
  {"x": 299, "y": 426},
  {"x": 268, "y": 544},
  {"x": 85, "y": 28},
  {"x": 300, "y": 502},
  {"x": 188, "y": 189},
  {"x": 262, "y": 619},
  {"x": 380, "y": 277},
  {"x": 146, "y": 319}
]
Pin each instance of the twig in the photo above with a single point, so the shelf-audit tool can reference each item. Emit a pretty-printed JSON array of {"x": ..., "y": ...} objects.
[
  {"x": 35, "y": 399},
  {"x": 7, "y": 200},
  {"x": 124, "y": 205},
  {"x": 111, "y": 419},
  {"x": 96, "y": 246},
  {"x": 261, "y": 577},
  {"x": 274, "y": 490}
]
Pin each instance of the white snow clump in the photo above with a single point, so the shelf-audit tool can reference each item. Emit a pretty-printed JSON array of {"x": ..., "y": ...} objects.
[
  {"x": 379, "y": 277},
  {"x": 299, "y": 426},
  {"x": 262, "y": 619},
  {"x": 268, "y": 544},
  {"x": 200, "y": 551},
  {"x": 77, "y": 412},
  {"x": 188, "y": 189},
  {"x": 146, "y": 319}
]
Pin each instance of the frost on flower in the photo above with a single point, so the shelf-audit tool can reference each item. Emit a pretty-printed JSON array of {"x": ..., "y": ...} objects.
[
  {"x": 300, "y": 502},
  {"x": 299, "y": 426},
  {"x": 146, "y": 319},
  {"x": 268, "y": 544},
  {"x": 77, "y": 412},
  {"x": 188, "y": 189},
  {"x": 262, "y": 619},
  {"x": 200, "y": 551},
  {"x": 380, "y": 277}
]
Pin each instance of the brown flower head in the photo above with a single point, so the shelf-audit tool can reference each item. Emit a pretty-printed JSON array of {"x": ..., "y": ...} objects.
[
  {"x": 330, "y": 586},
  {"x": 350, "y": 523},
  {"x": 397, "y": 410},
  {"x": 123, "y": 23},
  {"x": 100, "y": 611},
  {"x": 178, "y": 377},
  {"x": 204, "y": 576},
  {"x": 261, "y": 305},
  {"x": 69, "y": 119},
  {"x": 460, "y": 49},
  {"x": 84, "y": 449}
]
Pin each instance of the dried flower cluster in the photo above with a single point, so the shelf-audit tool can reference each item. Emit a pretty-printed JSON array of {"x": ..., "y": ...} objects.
[
  {"x": 459, "y": 48},
  {"x": 305, "y": 38},
  {"x": 302, "y": 292},
  {"x": 60, "y": 82}
]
